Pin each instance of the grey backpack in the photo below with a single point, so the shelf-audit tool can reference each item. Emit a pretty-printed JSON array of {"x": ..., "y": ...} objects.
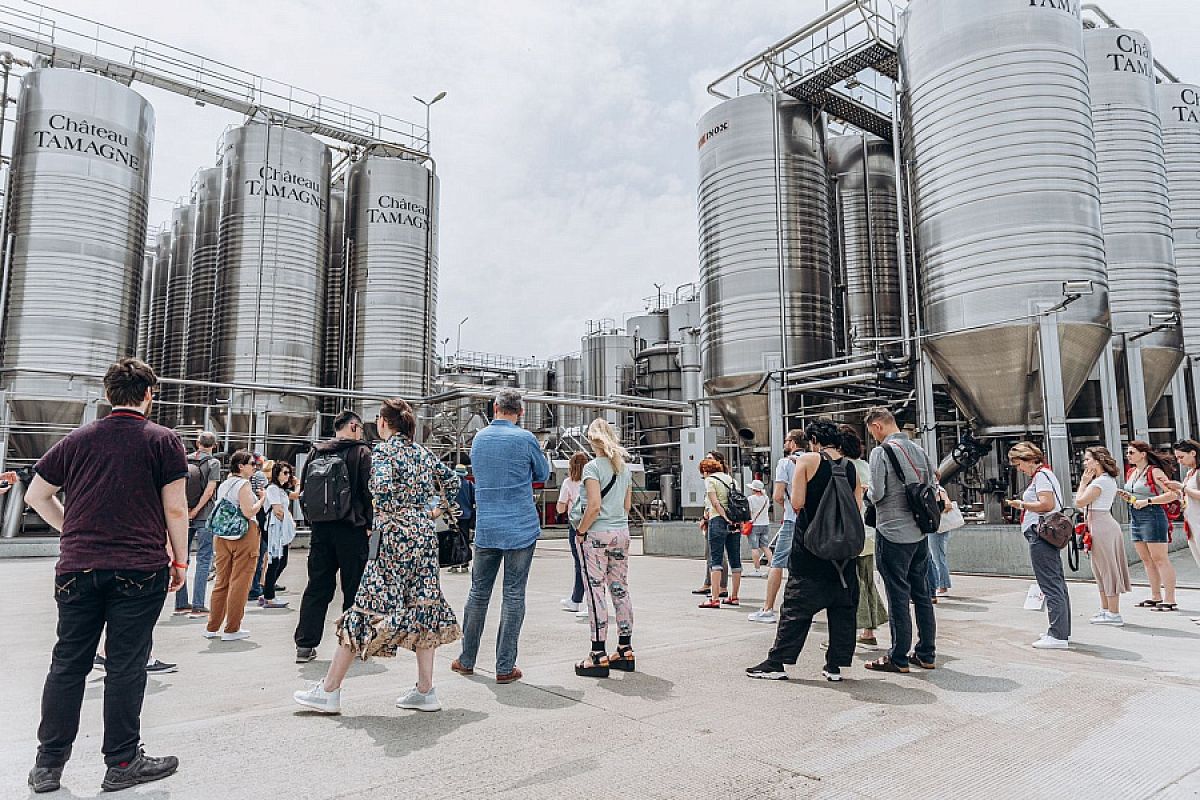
[{"x": 835, "y": 532}]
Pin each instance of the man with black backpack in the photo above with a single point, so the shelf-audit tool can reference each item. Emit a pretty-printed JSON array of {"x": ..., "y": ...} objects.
[
  {"x": 204, "y": 473},
  {"x": 336, "y": 498},
  {"x": 903, "y": 481}
]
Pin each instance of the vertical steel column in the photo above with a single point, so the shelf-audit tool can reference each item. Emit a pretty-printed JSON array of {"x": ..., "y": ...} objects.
[
  {"x": 776, "y": 405},
  {"x": 1179, "y": 403},
  {"x": 1054, "y": 404},
  {"x": 926, "y": 414},
  {"x": 1194, "y": 408},
  {"x": 1135, "y": 392},
  {"x": 1110, "y": 406}
]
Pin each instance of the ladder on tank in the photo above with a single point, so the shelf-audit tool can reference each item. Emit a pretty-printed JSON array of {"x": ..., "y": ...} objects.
[{"x": 845, "y": 62}]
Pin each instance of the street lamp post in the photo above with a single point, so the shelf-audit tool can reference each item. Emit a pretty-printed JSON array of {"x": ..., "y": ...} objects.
[
  {"x": 458, "y": 347},
  {"x": 428, "y": 136}
]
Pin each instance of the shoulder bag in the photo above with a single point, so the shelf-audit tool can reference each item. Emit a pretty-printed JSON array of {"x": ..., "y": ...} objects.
[
  {"x": 227, "y": 521},
  {"x": 1055, "y": 527}
]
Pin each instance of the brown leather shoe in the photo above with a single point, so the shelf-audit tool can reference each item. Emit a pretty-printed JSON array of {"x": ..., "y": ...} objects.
[
  {"x": 457, "y": 666},
  {"x": 509, "y": 677},
  {"x": 913, "y": 659}
]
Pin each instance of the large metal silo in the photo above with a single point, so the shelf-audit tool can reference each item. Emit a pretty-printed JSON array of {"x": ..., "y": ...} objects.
[
  {"x": 568, "y": 381},
  {"x": 1179, "y": 110},
  {"x": 145, "y": 293},
  {"x": 391, "y": 227},
  {"x": 271, "y": 274},
  {"x": 1007, "y": 197},
  {"x": 80, "y": 184},
  {"x": 206, "y": 207},
  {"x": 534, "y": 380},
  {"x": 175, "y": 337},
  {"x": 606, "y": 357},
  {"x": 158, "y": 299},
  {"x": 765, "y": 258},
  {"x": 1143, "y": 289},
  {"x": 864, "y": 172}
]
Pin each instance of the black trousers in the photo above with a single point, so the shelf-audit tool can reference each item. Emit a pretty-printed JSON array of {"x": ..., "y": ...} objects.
[
  {"x": 336, "y": 549},
  {"x": 905, "y": 572},
  {"x": 274, "y": 570},
  {"x": 803, "y": 598},
  {"x": 128, "y": 604}
]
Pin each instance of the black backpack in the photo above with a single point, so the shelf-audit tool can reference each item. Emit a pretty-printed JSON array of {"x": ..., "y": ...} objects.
[
  {"x": 737, "y": 507},
  {"x": 326, "y": 493},
  {"x": 835, "y": 532},
  {"x": 196, "y": 484},
  {"x": 921, "y": 496}
]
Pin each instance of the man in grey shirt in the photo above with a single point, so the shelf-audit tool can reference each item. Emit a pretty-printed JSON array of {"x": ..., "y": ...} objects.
[
  {"x": 901, "y": 553},
  {"x": 204, "y": 473}
]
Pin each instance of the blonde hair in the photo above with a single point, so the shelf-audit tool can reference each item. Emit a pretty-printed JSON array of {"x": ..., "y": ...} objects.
[
  {"x": 1026, "y": 451},
  {"x": 606, "y": 443}
]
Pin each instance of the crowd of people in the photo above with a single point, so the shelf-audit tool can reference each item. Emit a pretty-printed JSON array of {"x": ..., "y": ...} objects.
[{"x": 133, "y": 516}]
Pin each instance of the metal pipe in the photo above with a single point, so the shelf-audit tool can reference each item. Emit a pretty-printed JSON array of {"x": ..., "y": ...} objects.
[
  {"x": 456, "y": 392},
  {"x": 906, "y": 352},
  {"x": 812, "y": 373},
  {"x": 845, "y": 380}
]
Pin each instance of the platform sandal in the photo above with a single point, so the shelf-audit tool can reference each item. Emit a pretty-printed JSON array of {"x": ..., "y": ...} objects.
[
  {"x": 1167, "y": 607},
  {"x": 1148, "y": 603},
  {"x": 623, "y": 659},
  {"x": 594, "y": 666}
]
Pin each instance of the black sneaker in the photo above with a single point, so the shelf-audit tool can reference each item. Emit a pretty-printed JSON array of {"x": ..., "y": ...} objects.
[
  {"x": 45, "y": 779},
  {"x": 157, "y": 667},
  {"x": 768, "y": 671},
  {"x": 832, "y": 674},
  {"x": 305, "y": 654},
  {"x": 143, "y": 769},
  {"x": 98, "y": 663}
]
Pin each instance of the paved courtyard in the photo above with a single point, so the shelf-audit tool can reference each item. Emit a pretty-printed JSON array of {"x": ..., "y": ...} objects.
[{"x": 1115, "y": 717}]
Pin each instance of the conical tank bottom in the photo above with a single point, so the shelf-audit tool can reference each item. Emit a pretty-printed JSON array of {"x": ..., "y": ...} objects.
[
  {"x": 747, "y": 415},
  {"x": 1160, "y": 362},
  {"x": 993, "y": 372}
]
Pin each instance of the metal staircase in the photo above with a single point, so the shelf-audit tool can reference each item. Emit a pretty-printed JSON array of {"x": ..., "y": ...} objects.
[{"x": 845, "y": 62}]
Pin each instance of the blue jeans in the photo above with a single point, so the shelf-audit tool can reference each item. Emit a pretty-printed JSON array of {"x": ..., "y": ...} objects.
[
  {"x": 939, "y": 566},
  {"x": 783, "y": 544},
  {"x": 1149, "y": 524},
  {"x": 905, "y": 572},
  {"x": 198, "y": 531},
  {"x": 512, "y": 612},
  {"x": 724, "y": 540}
]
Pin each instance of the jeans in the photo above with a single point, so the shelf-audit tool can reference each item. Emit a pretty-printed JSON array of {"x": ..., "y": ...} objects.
[
  {"x": 512, "y": 613},
  {"x": 204, "y": 560},
  {"x": 336, "y": 549},
  {"x": 905, "y": 572},
  {"x": 782, "y": 550},
  {"x": 274, "y": 570},
  {"x": 181, "y": 594},
  {"x": 1149, "y": 524},
  {"x": 577, "y": 589},
  {"x": 939, "y": 566},
  {"x": 128, "y": 603},
  {"x": 1048, "y": 569},
  {"x": 256, "y": 587},
  {"x": 802, "y": 599},
  {"x": 723, "y": 541}
]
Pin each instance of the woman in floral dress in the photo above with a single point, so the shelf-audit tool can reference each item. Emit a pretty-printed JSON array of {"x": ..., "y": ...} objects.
[{"x": 399, "y": 603}]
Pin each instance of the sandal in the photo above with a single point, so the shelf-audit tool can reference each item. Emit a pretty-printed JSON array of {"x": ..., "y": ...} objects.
[
  {"x": 702, "y": 590},
  {"x": 884, "y": 664},
  {"x": 732, "y": 601},
  {"x": 709, "y": 604},
  {"x": 623, "y": 659},
  {"x": 1148, "y": 604},
  {"x": 1167, "y": 607},
  {"x": 594, "y": 666}
]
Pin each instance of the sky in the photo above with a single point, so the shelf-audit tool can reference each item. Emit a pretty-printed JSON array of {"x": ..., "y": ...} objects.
[{"x": 565, "y": 144}]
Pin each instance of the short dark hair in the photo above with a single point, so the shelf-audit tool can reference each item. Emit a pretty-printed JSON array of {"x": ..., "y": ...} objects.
[
  {"x": 399, "y": 416},
  {"x": 852, "y": 446},
  {"x": 345, "y": 418},
  {"x": 239, "y": 459},
  {"x": 825, "y": 433},
  {"x": 126, "y": 382},
  {"x": 206, "y": 439}
]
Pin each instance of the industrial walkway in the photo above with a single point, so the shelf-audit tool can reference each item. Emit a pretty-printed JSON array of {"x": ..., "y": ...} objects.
[{"x": 1112, "y": 718}]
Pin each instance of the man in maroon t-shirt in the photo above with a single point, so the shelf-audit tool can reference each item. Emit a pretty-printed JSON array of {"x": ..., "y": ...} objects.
[{"x": 123, "y": 546}]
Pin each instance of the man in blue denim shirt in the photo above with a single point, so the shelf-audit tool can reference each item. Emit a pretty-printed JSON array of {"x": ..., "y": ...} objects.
[{"x": 507, "y": 460}]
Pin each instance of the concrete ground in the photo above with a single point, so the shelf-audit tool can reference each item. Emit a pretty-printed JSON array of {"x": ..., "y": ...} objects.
[{"x": 1114, "y": 717}]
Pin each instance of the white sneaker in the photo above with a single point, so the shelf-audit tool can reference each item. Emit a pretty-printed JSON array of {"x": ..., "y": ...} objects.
[
  {"x": 766, "y": 615},
  {"x": 755, "y": 573},
  {"x": 320, "y": 700},
  {"x": 235, "y": 636},
  {"x": 1048, "y": 642},
  {"x": 1115, "y": 620},
  {"x": 568, "y": 604},
  {"x": 212, "y": 634},
  {"x": 1099, "y": 618},
  {"x": 416, "y": 701}
]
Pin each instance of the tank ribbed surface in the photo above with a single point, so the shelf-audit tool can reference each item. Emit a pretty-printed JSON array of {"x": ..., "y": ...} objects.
[
  {"x": 1179, "y": 109},
  {"x": 158, "y": 298},
  {"x": 271, "y": 262},
  {"x": 174, "y": 361},
  {"x": 144, "y": 297},
  {"x": 998, "y": 119},
  {"x": 335, "y": 292},
  {"x": 763, "y": 210},
  {"x": 864, "y": 170},
  {"x": 80, "y": 186},
  {"x": 391, "y": 226},
  {"x": 568, "y": 380},
  {"x": 206, "y": 208},
  {"x": 534, "y": 380},
  {"x": 1134, "y": 206}
]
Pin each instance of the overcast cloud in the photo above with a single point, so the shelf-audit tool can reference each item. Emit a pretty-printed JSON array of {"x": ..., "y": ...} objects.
[{"x": 566, "y": 144}]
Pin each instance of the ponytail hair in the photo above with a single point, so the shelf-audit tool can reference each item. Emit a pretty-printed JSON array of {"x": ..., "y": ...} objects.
[{"x": 606, "y": 443}]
